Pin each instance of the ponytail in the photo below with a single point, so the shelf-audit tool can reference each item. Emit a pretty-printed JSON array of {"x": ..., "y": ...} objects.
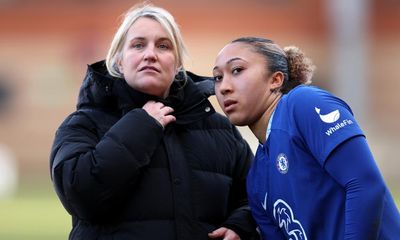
[{"x": 300, "y": 68}]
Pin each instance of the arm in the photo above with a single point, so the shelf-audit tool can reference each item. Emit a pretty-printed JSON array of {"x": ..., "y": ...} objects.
[
  {"x": 240, "y": 219},
  {"x": 352, "y": 165},
  {"x": 91, "y": 175}
]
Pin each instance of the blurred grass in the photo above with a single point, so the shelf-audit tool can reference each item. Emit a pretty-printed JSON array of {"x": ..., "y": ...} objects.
[{"x": 36, "y": 213}]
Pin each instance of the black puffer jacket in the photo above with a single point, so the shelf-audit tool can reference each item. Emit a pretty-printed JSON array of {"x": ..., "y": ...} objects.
[{"x": 122, "y": 176}]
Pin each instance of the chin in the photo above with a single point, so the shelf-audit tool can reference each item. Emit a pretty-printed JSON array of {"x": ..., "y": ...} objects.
[
  {"x": 238, "y": 121},
  {"x": 155, "y": 90}
]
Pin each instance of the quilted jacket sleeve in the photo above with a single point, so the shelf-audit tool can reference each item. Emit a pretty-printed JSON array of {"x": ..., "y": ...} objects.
[
  {"x": 92, "y": 175},
  {"x": 240, "y": 219}
]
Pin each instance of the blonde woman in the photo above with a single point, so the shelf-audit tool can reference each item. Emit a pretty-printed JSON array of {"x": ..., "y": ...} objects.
[{"x": 145, "y": 156}]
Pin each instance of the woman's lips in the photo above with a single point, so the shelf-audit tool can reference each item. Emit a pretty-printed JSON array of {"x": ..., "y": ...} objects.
[
  {"x": 229, "y": 105},
  {"x": 149, "y": 68}
]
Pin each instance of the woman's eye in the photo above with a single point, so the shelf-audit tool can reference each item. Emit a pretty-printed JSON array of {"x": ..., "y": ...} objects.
[
  {"x": 164, "y": 46},
  {"x": 137, "y": 45},
  {"x": 236, "y": 70},
  {"x": 217, "y": 78}
]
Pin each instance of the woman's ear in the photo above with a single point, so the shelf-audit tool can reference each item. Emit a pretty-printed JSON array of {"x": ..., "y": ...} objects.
[
  {"x": 118, "y": 62},
  {"x": 277, "y": 80},
  {"x": 119, "y": 65},
  {"x": 178, "y": 69}
]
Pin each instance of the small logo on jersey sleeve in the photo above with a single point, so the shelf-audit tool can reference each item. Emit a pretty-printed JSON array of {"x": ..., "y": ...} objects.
[
  {"x": 333, "y": 117},
  {"x": 283, "y": 214},
  {"x": 330, "y": 117},
  {"x": 282, "y": 163}
]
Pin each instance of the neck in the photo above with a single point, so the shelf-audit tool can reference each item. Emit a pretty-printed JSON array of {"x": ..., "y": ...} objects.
[{"x": 259, "y": 127}]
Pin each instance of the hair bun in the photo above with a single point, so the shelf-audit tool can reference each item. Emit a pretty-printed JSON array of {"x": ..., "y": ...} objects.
[{"x": 301, "y": 68}]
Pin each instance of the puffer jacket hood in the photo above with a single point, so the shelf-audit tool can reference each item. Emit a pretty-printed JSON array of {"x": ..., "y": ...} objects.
[{"x": 100, "y": 90}]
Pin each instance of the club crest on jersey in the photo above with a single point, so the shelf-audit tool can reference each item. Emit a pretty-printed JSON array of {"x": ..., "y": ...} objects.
[
  {"x": 282, "y": 163},
  {"x": 284, "y": 215},
  {"x": 330, "y": 117}
]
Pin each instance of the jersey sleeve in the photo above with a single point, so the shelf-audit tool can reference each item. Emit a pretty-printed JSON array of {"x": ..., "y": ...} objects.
[
  {"x": 364, "y": 188},
  {"x": 322, "y": 121}
]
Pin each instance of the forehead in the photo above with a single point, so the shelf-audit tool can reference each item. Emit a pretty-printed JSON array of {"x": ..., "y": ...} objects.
[
  {"x": 238, "y": 50},
  {"x": 146, "y": 27}
]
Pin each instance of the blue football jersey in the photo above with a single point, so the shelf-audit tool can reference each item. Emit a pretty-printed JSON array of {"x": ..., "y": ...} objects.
[{"x": 290, "y": 193}]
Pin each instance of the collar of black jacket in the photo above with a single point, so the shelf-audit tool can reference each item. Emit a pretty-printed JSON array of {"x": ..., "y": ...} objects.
[{"x": 102, "y": 91}]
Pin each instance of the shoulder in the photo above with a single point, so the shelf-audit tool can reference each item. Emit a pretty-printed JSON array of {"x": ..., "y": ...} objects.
[
  {"x": 296, "y": 103},
  {"x": 77, "y": 119},
  {"x": 77, "y": 123},
  {"x": 320, "y": 119},
  {"x": 216, "y": 124},
  {"x": 93, "y": 120},
  {"x": 304, "y": 100},
  {"x": 221, "y": 122},
  {"x": 81, "y": 127},
  {"x": 218, "y": 120},
  {"x": 304, "y": 93}
]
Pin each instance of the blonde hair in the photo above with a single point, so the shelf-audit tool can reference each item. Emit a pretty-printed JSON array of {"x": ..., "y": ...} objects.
[
  {"x": 132, "y": 15},
  {"x": 291, "y": 61}
]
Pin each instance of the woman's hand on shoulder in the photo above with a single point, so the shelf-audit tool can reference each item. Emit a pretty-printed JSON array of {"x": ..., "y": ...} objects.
[
  {"x": 159, "y": 112},
  {"x": 224, "y": 233}
]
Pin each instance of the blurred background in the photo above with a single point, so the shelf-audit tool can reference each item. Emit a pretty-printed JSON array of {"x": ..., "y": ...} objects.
[{"x": 45, "y": 47}]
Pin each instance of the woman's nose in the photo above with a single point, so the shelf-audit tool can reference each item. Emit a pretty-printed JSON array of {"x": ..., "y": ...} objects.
[
  {"x": 150, "y": 54},
  {"x": 225, "y": 86}
]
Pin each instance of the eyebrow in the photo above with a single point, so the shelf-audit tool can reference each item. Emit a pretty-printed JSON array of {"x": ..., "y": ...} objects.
[
  {"x": 136, "y": 38},
  {"x": 231, "y": 60},
  {"x": 143, "y": 38}
]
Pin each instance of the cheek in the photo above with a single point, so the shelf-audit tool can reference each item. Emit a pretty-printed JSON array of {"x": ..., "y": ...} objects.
[
  {"x": 218, "y": 94},
  {"x": 244, "y": 90},
  {"x": 254, "y": 89},
  {"x": 169, "y": 68},
  {"x": 130, "y": 58},
  {"x": 216, "y": 90},
  {"x": 169, "y": 60},
  {"x": 219, "y": 97}
]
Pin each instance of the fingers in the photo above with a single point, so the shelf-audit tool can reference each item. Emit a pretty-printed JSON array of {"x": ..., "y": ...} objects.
[
  {"x": 160, "y": 112},
  {"x": 166, "y": 110},
  {"x": 224, "y": 233},
  {"x": 218, "y": 233},
  {"x": 167, "y": 119}
]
